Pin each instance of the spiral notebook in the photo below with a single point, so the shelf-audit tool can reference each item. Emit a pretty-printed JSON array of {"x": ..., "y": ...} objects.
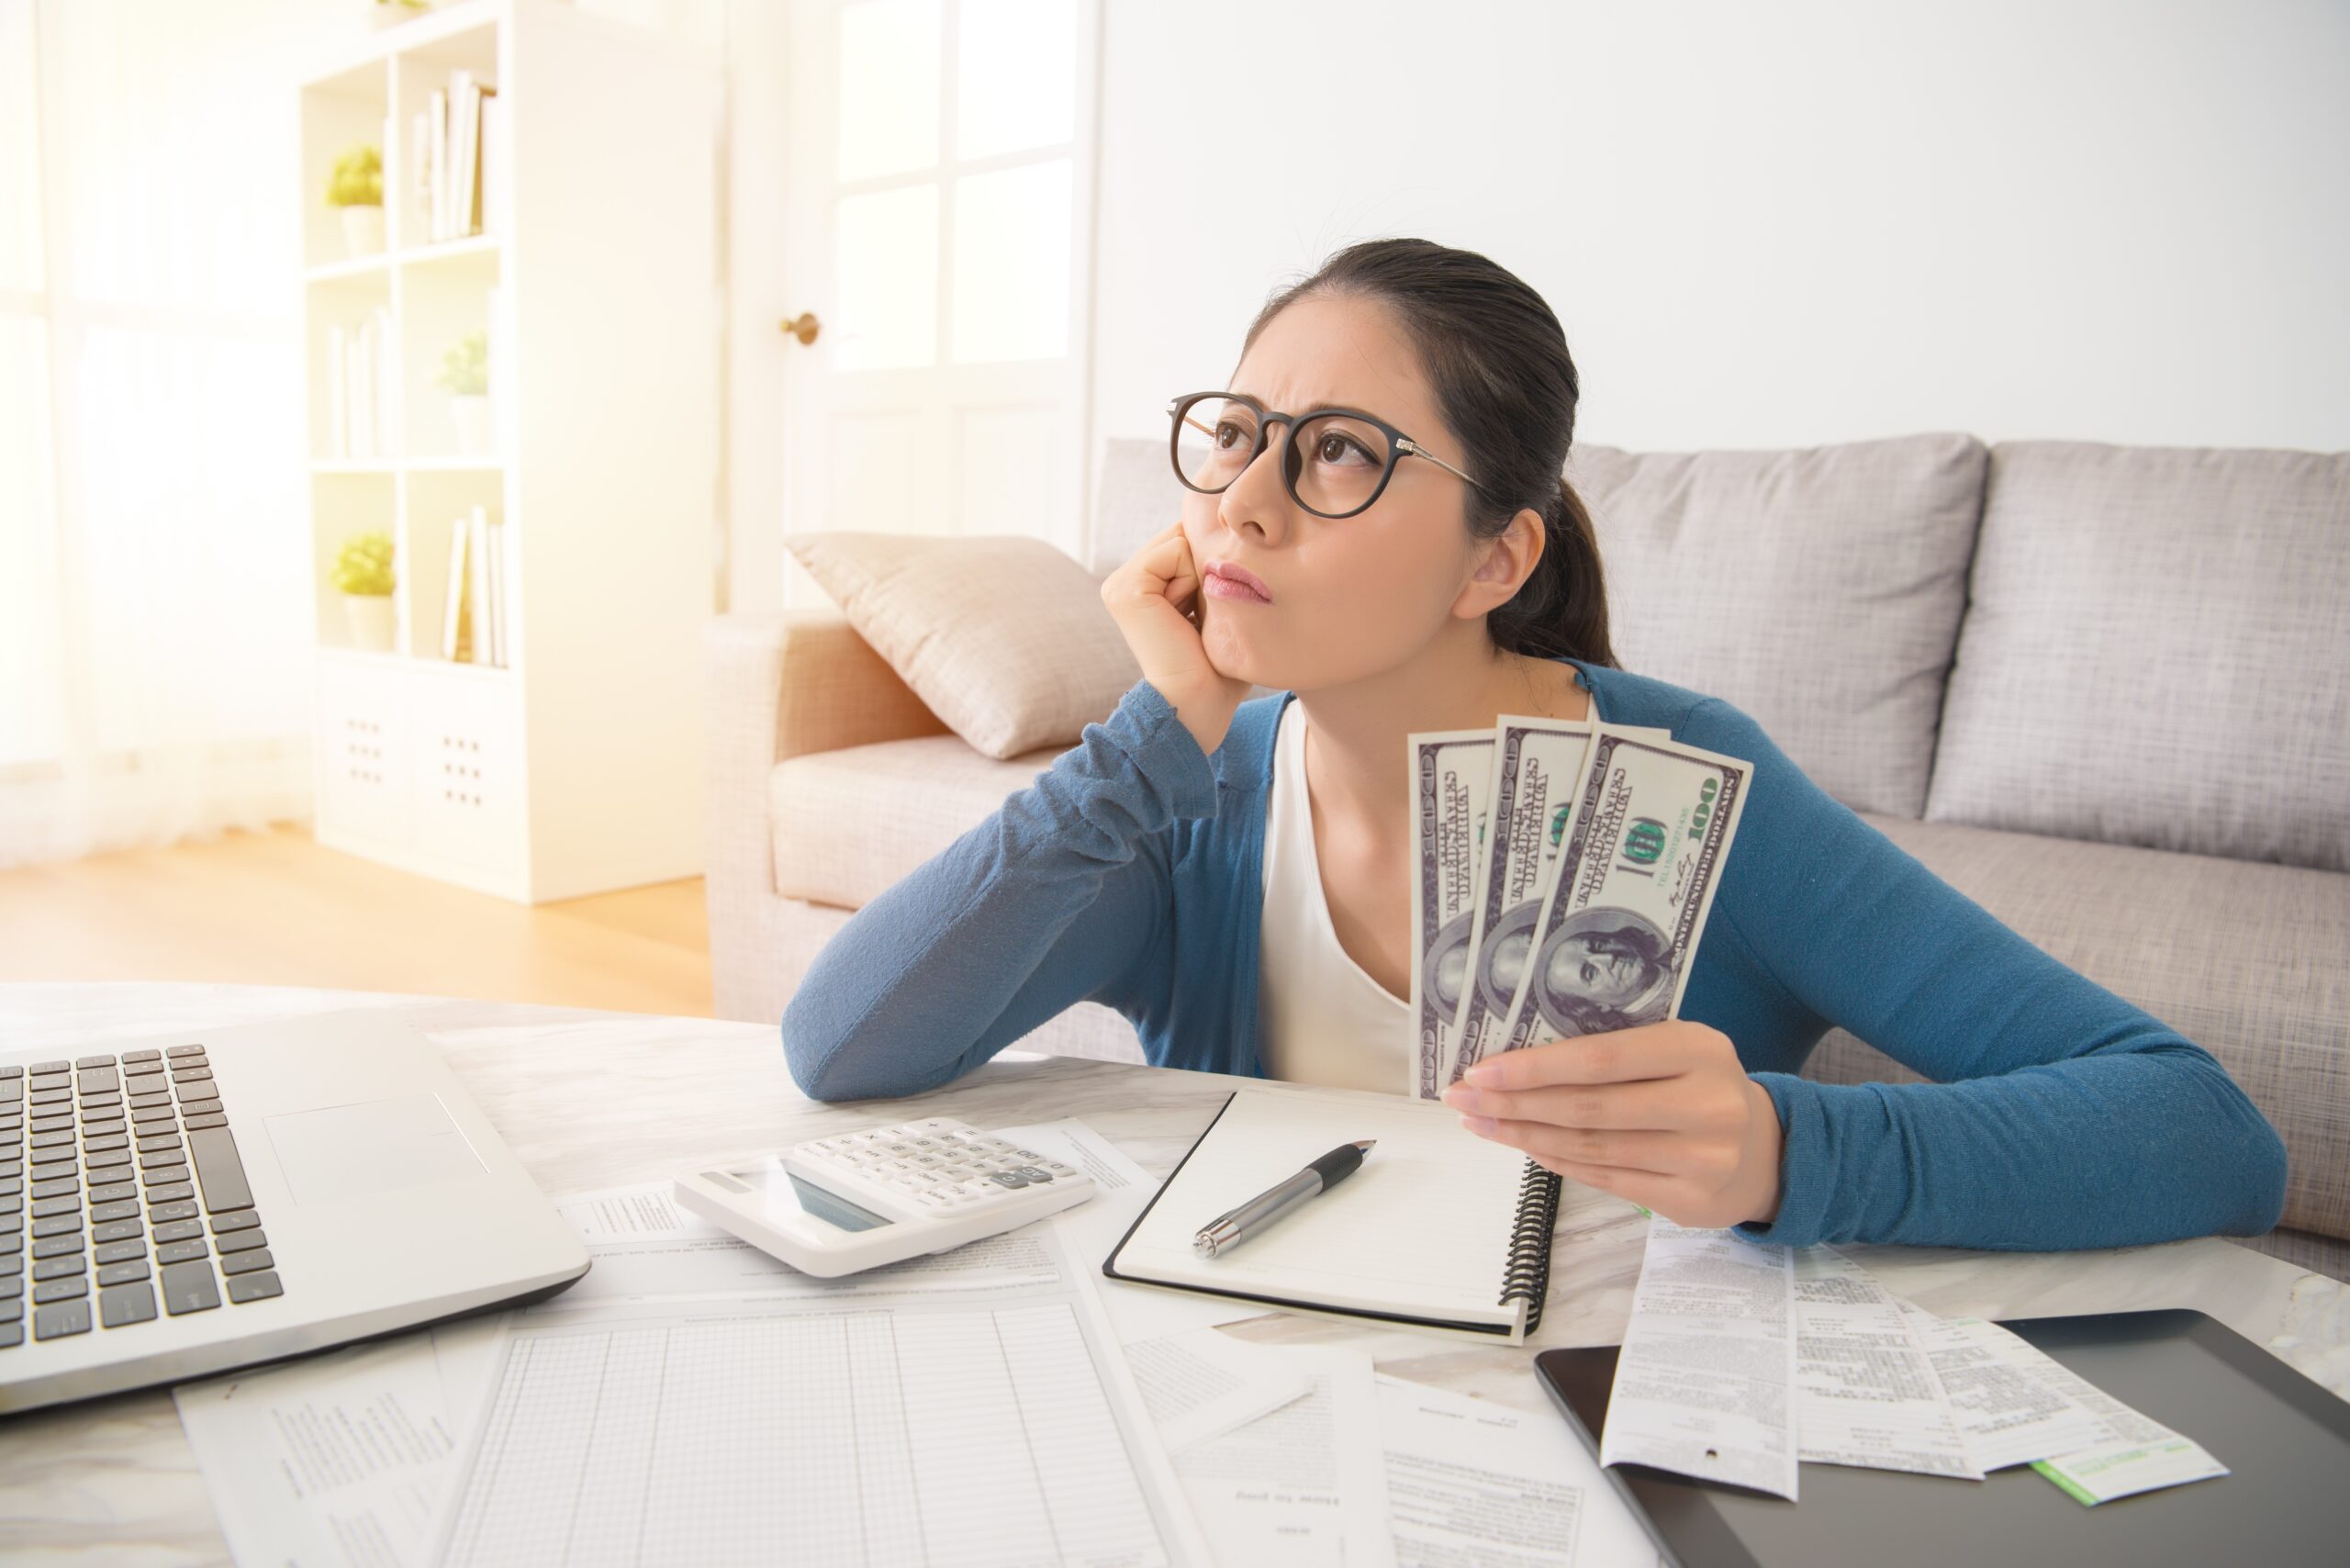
[{"x": 1440, "y": 1228}]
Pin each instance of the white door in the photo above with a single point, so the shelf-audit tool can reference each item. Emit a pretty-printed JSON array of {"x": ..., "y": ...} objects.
[{"x": 937, "y": 208}]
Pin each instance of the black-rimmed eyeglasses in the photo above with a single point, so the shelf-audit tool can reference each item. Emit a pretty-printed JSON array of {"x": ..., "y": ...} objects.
[{"x": 1334, "y": 462}]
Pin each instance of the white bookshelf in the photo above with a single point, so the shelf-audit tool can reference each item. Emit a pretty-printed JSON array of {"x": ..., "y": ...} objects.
[{"x": 576, "y": 767}]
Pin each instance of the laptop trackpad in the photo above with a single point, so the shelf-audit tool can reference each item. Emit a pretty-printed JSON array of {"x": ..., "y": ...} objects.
[{"x": 349, "y": 1151}]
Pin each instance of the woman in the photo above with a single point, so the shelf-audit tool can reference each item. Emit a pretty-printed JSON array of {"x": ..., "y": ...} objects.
[{"x": 1233, "y": 875}]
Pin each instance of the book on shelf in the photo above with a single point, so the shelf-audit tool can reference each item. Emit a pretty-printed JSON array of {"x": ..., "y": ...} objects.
[
  {"x": 459, "y": 137},
  {"x": 362, "y": 389},
  {"x": 473, "y": 625},
  {"x": 453, "y": 620}
]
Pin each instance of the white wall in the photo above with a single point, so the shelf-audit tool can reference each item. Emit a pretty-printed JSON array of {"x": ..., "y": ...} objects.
[{"x": 1766, "y": 225}]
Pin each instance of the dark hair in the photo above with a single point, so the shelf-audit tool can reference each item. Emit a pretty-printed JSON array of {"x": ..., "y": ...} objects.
[{"x": 1507, "y": 385}]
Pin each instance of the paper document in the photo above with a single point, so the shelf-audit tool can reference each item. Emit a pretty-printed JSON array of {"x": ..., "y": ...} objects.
[
  {"x": 1200, "y": 1383},
  {"x": 1866, "y": 1391},
  {"x": 812, "y": 1427},
  {"x": 337, "y": 1459},
  {"x": 1303, "y": 1486},
  {"x": 1705, "y": 1384},
  {"x": 1475, "y": 1484},
  {"x": 2120, "y": 1470}
]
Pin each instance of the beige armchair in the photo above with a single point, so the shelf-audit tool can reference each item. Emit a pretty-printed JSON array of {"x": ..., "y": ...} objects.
[{"x": 829, "y": 781}]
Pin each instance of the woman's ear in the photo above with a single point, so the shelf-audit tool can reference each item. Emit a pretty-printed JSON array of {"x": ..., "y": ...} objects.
[{"x": 1504, "y": 563}]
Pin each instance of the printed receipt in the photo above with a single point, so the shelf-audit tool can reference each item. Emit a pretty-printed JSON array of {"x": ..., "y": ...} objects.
[
  {"x": 1706, "y": 1382},
  {"x": 1866, "y": 1391}
]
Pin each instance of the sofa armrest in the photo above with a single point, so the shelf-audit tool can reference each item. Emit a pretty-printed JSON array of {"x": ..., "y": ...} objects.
[{"x": 779, "y": 685}]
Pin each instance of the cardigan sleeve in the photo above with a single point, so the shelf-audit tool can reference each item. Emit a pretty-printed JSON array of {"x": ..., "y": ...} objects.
[
  {"x": 2060, "y": 1116},
  {"x": 1061, "y": 895}
]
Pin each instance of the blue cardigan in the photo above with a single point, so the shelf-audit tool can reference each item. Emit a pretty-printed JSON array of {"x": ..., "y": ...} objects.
[{"x": 1131, "y": 873}]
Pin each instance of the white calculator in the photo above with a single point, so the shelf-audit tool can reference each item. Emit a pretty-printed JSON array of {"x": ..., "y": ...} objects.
[{"x": 836, "y": 1206}]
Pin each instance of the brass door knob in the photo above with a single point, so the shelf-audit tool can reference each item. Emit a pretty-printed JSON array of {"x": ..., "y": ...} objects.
[{"x": 804, "y": 329}]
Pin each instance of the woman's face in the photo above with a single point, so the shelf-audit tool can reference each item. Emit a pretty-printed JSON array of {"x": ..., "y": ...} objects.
[{"x": 1351, "y": 597}]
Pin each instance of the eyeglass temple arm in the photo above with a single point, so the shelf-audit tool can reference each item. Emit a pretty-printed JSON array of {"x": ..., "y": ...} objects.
[{"x": 1405, "y": 444}]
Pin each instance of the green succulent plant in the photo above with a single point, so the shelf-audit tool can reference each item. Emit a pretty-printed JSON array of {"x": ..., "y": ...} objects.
[
  {"x": 465, "y": 368},
  {"x": 365, "y": 565},
  {"x": 357, "y": 179}
]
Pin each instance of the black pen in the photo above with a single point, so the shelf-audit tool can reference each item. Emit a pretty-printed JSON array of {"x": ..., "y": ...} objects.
[{"x": 1233, "y": 1226}]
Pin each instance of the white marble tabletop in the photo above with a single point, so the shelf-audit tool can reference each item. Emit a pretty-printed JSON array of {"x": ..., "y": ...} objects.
[{"x": 588, "y": 1099}]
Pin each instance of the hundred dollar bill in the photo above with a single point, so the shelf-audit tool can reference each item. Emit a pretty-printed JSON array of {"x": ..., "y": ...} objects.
[
  {"x": 1449, "y": 774},
  {"x": 1538, "y": 769},
  {"x": 1653, "y": 823}
]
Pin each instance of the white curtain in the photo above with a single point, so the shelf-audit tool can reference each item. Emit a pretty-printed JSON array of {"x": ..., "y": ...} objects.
[{"x": 154, "y": 562}]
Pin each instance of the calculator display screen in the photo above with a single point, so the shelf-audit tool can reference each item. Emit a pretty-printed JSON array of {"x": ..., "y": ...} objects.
[{"x": 784, "y": 1191}]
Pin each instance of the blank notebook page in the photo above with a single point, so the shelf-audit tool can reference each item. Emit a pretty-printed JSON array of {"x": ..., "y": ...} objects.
[{"x": 1423, "y": 1230}]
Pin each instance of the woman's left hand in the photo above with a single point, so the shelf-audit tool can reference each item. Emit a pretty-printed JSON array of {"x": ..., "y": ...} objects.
[{"x": 1662, "y": 1114}]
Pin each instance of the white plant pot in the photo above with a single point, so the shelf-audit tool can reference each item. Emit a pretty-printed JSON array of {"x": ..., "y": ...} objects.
[
  {"x": 469, "y": 412},
  {"x": 362, "y": 230},
  {"x": 372, "y": 624}
]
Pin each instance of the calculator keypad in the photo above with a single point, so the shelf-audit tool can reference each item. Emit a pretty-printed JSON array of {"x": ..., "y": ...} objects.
[{"x": 939, "y": 1165}]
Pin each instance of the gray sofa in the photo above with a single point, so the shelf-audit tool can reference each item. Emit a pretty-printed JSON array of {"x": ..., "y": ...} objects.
[{"x": 2102, "y": 690}]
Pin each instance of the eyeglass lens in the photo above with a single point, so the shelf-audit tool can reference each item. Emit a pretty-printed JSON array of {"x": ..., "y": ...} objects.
[{"x": 1334, "y": 462}]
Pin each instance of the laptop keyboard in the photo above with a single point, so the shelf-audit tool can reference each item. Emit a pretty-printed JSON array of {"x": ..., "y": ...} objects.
[{"x": 122, "y": 1197}]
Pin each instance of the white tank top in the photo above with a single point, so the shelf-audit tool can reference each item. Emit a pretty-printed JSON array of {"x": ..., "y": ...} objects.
[{"x": 1320, "y": 1017}]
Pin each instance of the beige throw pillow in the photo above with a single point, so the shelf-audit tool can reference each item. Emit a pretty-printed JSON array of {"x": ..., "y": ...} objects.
[{"x": 1005, "y": 638}]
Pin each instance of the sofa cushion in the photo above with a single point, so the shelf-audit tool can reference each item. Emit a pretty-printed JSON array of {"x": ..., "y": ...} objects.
[
  {"x": 2245, "y": 959},
  {"x": 1004, "y": 637},
  {"x": 2158, "y": 653},
  {"x": 1817, "y": 589},
  {"x": 850, "y": 823}
]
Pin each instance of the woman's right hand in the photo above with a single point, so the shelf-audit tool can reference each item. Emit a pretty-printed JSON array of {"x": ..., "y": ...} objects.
[{"x": 1155, "y": 597}]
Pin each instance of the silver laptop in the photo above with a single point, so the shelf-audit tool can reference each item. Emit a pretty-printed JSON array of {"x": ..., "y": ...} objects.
[{"x": 194, "y": 1202}]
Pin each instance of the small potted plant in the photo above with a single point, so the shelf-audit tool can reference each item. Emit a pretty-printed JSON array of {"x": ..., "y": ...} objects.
[
  {"x": 363, "y": 573},
  {"x": 465, "y": 371},
  {"x": 357, "y": 189},
  {"x": 387, "y": 12}
]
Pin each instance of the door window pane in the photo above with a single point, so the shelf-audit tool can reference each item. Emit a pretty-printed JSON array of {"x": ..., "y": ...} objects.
[
  {"x": 1012, "y": 244},
  {"x": 1016, "y": 75},
  {"x": 886, "y": 268},
  {"x": 888, "y": 87}
]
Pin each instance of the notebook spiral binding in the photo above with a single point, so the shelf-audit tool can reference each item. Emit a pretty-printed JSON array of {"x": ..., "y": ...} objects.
[{"x": 1527, "y": 1278}]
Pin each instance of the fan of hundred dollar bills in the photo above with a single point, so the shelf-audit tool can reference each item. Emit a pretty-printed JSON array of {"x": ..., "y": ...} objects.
[{"x": 1562, "y": 878}]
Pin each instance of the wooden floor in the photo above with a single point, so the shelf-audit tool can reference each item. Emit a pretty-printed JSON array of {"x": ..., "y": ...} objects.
[{"x": 278, "y": 908}]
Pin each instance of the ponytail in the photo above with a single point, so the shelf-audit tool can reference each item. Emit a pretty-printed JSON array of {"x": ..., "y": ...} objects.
[{"x": 1560, "y": 610}]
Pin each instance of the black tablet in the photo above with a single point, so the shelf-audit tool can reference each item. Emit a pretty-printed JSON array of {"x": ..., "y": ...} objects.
[{"x": 2285, "y": 1439}]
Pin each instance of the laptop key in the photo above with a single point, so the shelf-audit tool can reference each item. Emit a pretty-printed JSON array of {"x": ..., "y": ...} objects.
[
  {"x": 57, "y": 1227},
  {"x": 59, "y": 1245},
  {"x": 122, "y": 1273},
  {"x": 119, "y": 1251},
  {"x": 206, "y": 1119},
  {"x": 243, "y": 1262},
  {"x": 12, "y": 1334},
  {"x": 60, "y": 1289},
  {"x": 189, "y": 1287},
  {"x": 103, "y": 1059},
  {"x": 142, "y": 1055},
  {"x": 121, "y": 1208},
  {"x": 58, "y": 1268},
  {"x": 60, "y": 1318},
  {"x": 180, "y": 1252},
  {"x": 219, "y": 1169},
  {"x": 158, "y": 1213},
  {"x": 114, "y": 1230},
  {"x": 255, "y": 1287},
  {"x": 240, "y": 1242},
  {"x": 196, "y": 1051},
  {"x": 170, "y": 1192},
  {"x": 244, "y": 1219},
  {"x": 125, "y": 1305},
  {"x": 97, "y": 1075},
  {"x": 178, "y": 1229}
]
